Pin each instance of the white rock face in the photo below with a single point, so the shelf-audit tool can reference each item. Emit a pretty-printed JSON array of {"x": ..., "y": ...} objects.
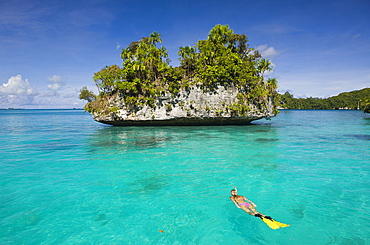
[{"x": 189, "y": 107}]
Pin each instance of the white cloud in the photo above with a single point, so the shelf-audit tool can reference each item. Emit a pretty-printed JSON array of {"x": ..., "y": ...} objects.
[
  {"x": 49, "y": 93},
  {"x": 55, "y": 86},
  {"x": 267, "y": 52},
  {"x": 56, "y": 82},
  {"x": 118, "y": 46},
  {"x": 55, "y": 79},
  {"x": 17, "y": 86},
  {"x": 16, "y": 92}
]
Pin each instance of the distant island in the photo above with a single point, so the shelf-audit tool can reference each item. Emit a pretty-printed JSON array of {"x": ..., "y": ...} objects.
[
  {"x": 12, "y": 108},
  {"x": 354, "y": 100},
  {"x": 220, "y": 81}
]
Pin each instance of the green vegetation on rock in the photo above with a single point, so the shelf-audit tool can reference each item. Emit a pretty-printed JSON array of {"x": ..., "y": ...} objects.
[
  {"x": 359, "y": 99},
  {"x": 223, "y": 59},
  {"x": 86, "y": 94}
]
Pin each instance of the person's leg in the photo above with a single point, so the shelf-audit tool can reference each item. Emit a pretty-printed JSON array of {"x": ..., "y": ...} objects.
[
  {"x": 248, "y": 210},
  {"x": 253, "y": 209}
]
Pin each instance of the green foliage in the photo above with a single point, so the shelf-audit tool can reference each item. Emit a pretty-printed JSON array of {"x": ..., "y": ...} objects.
[
  {"x": 239, "y": 109},
  {"x": 97, "y": 105},
  {"x": 114, "y": 109},
  {"x": 144, "y": 70},
  {"x": 223, "y": 58},
  {"x": 187, "y": 60},
  {"x": 367, "y": 108},
  {"x": 106, "y": 80},
  {"x": 366, "y": 103},
  {"x": 168, "y": 107},
  {"x": 348, "y": 100},
  {"x": 86, "y": 94}
]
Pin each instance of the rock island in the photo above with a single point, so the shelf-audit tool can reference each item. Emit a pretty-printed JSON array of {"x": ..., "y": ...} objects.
[{"x": 220, "y": 81}]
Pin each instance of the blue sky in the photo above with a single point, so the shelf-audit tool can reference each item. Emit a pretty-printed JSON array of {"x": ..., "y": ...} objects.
[{"x": 50, "y": 49}]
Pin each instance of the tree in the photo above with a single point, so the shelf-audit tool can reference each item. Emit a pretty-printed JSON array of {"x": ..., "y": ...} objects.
[
  {"x": 144, "y": 70},
  {"x": 106, "y": 79},
  {"x": 224, "y": 57},
  {"x": 187, "y": 60},
  {"x": 86, "y": 94},
  {"x": 264, "y": 66},
  {"x": 357, "y": 99},
  {"x": 366, "y": 103},
  {"x": 144, "y": 60}
]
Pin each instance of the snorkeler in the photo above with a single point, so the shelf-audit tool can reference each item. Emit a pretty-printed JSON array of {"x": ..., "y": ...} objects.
[
  {"x": 243, "y": 203},
  {"x": 249, "y": 207}
]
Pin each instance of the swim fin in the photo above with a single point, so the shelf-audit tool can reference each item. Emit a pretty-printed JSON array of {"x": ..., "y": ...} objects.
[{"x": 273, "y": 224}]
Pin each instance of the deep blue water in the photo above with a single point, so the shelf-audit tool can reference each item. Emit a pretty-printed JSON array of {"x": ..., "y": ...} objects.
[{"x": 65, "y": 179}]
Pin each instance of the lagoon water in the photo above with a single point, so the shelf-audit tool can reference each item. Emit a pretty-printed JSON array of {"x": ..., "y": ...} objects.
[{"x": 66, "y": 179}]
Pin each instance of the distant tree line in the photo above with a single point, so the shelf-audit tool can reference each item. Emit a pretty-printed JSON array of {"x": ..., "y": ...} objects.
[
  {"x": 223, "y": 58},
  {"x": 359, "y": 99}
]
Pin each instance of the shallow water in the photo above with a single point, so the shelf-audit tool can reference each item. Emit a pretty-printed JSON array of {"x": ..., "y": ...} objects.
[{"x": 66, "y": 179}]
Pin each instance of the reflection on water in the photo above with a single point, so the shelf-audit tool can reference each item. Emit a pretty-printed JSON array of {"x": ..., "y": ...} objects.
[
  {"x": 266, "y": 139},
  {"x": 141, "y": 138},
  {"x": 157, "y": 150},
  {"x": 129, "y": 138}
]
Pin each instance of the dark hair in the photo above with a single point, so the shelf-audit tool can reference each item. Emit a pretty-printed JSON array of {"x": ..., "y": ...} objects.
[{"x": 232, "y": 191}]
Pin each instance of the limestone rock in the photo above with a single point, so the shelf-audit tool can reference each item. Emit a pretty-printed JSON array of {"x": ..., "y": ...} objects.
[{"x": 189, "y": 107}]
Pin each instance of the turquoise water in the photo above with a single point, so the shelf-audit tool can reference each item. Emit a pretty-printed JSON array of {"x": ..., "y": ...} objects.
[{"x": 66, "y": 179}]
